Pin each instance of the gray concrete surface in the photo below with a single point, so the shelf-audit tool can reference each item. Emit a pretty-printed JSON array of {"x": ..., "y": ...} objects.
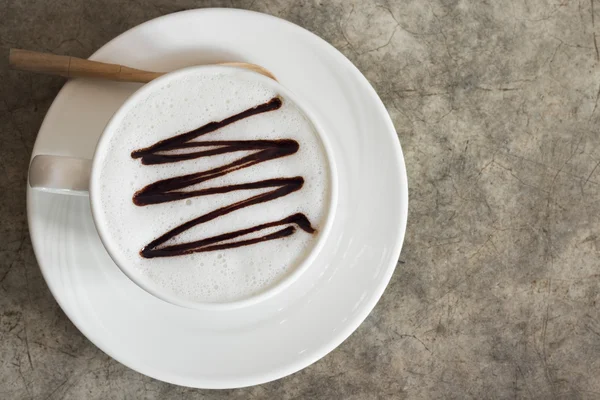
[{"x": 498, "y": 295}]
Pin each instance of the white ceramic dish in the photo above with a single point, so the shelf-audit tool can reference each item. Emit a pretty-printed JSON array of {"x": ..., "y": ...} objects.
[{"x": 266, "y": 340}]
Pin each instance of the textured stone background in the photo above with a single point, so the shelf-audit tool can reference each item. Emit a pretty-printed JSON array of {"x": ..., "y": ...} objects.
[{"x": 496, "y": 106}]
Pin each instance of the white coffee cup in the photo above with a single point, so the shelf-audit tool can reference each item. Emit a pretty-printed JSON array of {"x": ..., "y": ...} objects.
[{"x": 75, "y": 176}]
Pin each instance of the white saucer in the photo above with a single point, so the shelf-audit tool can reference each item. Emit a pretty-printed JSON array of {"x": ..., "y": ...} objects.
[{"x": 288, "y": 331}]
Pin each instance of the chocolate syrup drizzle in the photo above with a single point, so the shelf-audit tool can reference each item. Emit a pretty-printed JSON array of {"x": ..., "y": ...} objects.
[{"x": 170, "y": 189}]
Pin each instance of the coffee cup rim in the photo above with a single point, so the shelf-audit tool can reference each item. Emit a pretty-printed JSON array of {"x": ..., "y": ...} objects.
[{"x": 278, "y": 287}]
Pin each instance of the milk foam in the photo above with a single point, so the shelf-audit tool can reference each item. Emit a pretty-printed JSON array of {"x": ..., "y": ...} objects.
[{"x": 184, "y": 104}]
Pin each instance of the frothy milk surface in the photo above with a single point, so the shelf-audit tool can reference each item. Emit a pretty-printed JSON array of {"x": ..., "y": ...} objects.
[{"x": 183, "y": 104}]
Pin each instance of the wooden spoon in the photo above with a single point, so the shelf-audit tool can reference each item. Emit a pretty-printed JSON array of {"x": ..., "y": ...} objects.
[{"x": 73, "y": 67}]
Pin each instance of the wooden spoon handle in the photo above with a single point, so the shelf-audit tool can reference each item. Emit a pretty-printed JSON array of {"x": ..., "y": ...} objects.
[{"x": 73, "y": 67}]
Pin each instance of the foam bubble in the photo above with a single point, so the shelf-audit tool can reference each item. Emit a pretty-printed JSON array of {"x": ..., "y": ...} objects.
[{"x": 183, "y": 105}]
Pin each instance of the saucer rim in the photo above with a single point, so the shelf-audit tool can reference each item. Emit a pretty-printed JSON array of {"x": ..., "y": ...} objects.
[{"x": 336, "y": 339}]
